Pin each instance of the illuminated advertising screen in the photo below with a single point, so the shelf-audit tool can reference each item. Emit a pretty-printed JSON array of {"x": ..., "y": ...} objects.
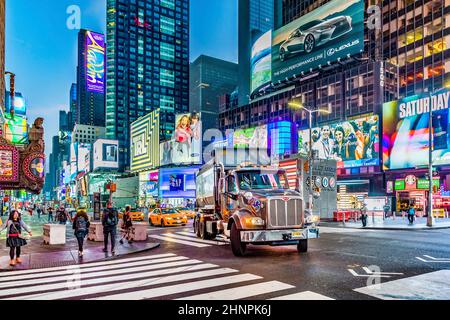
[
  {"x": 353, "y": 143},
  {"x": 261, "y": 61},
  {"x": 332, "y": 31},
  {"x": 178, "y": 182},
  {"x": 95, "y": 62},
  {"x": 6, "y": 165},
  {"x": 84, "y": 152},
  {"x": 406, "y": 131},
  {"x": 106, "y": 154},
  {"x": 144, "y": 139},
  {"x": 250, "y": 137},
  {"x": 16, "y": 131},
  {"x": 20, "y": 107}
]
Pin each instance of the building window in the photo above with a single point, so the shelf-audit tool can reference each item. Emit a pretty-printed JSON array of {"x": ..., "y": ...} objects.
[
  {"x": 167, "y": 25},
  {"x": 167, "y": 103},
  {"x": 168, "y": 4},
  {"x": 167, "y": 78},
  {"x": 167, "y": 51}
]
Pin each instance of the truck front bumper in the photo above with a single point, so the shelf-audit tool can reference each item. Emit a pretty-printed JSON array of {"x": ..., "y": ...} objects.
[{"x": 268, "y": 236}]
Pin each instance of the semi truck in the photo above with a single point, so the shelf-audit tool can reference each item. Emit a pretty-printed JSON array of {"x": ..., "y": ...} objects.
[{"x": 243, "y": 198}]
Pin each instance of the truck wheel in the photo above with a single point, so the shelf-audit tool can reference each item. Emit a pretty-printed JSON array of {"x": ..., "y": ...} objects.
[
  {"x": 302, "y": 246},
  {"x": 237, "y": 246},
  {"x": 202, "y": 231}
]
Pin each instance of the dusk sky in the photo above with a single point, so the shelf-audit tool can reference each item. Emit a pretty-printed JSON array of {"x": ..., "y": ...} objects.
[{"x": 41, "y": 50}]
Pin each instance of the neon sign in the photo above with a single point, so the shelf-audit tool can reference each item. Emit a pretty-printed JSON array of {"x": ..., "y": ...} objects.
[{"x": 95, "y": 62}]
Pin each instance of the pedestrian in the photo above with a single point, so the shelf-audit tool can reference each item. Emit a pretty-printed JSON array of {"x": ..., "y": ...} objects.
[
  {"x": 61, "y": 215},
  {"x": 386, "y": 209},
  {"x": 127, "y": 225},
  {"x": 81, "y": 228},
  {"x": 14, "y": 238},
  {"x": 50, "y": 214},
  {"x": 364, "y": 215},
  {"x": 39, "y": 211},
  {"x": 110, "y": 220},
  {"x": 411, "y": 214}
]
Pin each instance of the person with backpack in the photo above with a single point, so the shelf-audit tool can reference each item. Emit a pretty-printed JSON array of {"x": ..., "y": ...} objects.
[
  {"x": 61, "y": 215},
  {"x": 110, "y": 220},
  {"x": 81, "y": 228},
  {"x": 127, "y": 225},
  {"x": 14, "y": 238}
]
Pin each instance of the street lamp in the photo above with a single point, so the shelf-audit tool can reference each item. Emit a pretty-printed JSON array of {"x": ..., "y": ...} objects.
[
  {"x": 430, "y": 221},
  {"x": 300, "y": 106}
]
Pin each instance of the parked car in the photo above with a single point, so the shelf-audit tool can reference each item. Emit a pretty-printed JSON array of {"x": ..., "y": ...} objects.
[{"x": 167, "y": 217}]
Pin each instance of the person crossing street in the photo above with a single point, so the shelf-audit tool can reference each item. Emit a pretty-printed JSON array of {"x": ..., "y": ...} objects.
[{"x": 110, "y": 220}]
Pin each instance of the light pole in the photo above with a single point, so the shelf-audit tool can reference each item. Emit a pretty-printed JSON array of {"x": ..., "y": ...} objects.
[
  {"x": 300, "y": 106},
  {"x": 430, "y": 221}
]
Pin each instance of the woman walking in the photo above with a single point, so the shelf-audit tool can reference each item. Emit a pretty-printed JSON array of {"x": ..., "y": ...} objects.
[
  {"x": 14, "y": 238},
  {"x": 81, "y": 228},
  {"x": 127, "y": 226}
]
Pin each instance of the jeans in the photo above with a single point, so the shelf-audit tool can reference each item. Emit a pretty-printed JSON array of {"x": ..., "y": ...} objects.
[
  {"x": 80, "y": 243},
  {"x": 50, "y": 217},
  {"x": 11, "y": 252},
  {"x": 106, "y": 235},
  {"x": 411, "y": 218}
]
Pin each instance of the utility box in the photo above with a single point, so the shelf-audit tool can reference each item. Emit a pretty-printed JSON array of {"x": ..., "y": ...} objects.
[
  {"x": 96, "y": 232},
  {"x": 54, "y": 234}
]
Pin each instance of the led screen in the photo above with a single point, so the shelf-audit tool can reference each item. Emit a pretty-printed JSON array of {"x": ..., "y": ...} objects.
[
  {"x": 16, "y": 131},
  {"x": 20, "y": 107},
  {"x": 106, "y": 154},
  {"x": 178, "y": 182},
  {"x": 353, "y": 143},
  {"x": 261, "y": 61},
  {"x": 332, "y": 31},
  {"x": 6, "y": 165},
  {"x": 251, "y": 137},
  {"x": 95, "y": 62},
  {"x": 406, "y": 131}
]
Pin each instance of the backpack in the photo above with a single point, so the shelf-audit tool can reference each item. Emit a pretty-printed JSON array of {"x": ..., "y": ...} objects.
[
  {"x": 81, "y": 224},
  {"x": 62, "y": 216},
  {"x": 111, "y": 219}
]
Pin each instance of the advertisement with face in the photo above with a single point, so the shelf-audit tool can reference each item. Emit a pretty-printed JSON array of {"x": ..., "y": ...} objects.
[
  {"x": 106, "y": 154},
  {"x": 406, "y": 131},
  {"x": 332, "y": 31},
  {"x": 251, "y": 137},
  {"x": 353, "y": 143},
  {"x": 261, "y": 61},
  {"x": 95, "y": 62}
]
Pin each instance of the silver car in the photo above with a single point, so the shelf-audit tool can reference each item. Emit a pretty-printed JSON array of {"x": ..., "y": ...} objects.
[{"x": 313, "y": 34}]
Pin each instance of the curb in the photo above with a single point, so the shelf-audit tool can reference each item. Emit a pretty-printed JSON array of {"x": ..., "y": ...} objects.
[
  {"x": 76, "y": 261},
  {"x": 384, "y": 228}
]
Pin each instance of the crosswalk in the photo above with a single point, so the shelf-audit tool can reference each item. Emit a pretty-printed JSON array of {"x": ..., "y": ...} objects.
[
  {"x": 161, "y": 276},
  {"x": 187, "y": 238}
]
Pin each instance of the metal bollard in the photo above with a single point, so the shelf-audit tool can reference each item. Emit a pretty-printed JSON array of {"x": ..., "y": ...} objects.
[
  {"x": 373, "y": 217},
  {"x": 343, "y": 218}
]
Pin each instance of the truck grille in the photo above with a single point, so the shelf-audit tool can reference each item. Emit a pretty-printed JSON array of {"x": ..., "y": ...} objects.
[{"x": 282, "y": 214}]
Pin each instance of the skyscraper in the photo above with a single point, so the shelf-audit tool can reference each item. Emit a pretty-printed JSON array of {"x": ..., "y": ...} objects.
[
  {"x": 255, "y": 18},
  {"x": 2, "y": 53},
  {"x": 90, "y": 79},
  {"x": 73, "y": 105},
  {"x": 147, "y": 66}
]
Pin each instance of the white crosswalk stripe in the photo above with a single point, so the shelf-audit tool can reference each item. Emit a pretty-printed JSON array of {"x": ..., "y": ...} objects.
[
  {"x": 177, "y": 236},
  {"x": 189, "y": 243},
  {"x": 187, "y": 238},
  {"x": 150, "y": 277}
]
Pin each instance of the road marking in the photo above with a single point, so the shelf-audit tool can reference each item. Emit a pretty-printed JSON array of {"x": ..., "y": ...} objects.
[
  {"x": 433, "y": 260},
  {"x": 306, "y": 295},
  {"x": 172, "y": 235},
  {"x": 129, "y": 285},
  {"x": 85, "y": 265},
  {"x": 36, "y": 275},
  {"x": 105, "y": 273},
  {"x": 243, "y": 292},
  {"x": 353, "y": 272},
  {"x": 342, "y": 230},
  {"x": 127, "y": 276},
  {"x": 429, "y": 286},
  {"x": 169, "y": 239},
  {"x": 368, "y": 271},
  {"x": 175, "y": 289}
]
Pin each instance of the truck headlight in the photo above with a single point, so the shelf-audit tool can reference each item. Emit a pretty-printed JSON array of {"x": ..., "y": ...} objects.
[
  {"x": 255, "y": 221},
  {"x": 312, "y": 219}
]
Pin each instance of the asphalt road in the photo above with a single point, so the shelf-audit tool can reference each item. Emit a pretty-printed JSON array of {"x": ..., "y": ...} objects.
[{"x": 341, "y": 264}]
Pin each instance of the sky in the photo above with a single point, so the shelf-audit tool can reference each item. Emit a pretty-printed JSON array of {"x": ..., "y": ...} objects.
[{"x": 41, "y": 49}]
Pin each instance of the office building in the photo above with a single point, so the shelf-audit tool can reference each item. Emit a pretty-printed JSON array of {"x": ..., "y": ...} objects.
[
  {"x": 87, "y": 134},
  {"x": 73, "y": 105},
  {"x": 90, "y": 90},
  {"x": 255, "y": 19},
  {"x": 147, "y": 66}
]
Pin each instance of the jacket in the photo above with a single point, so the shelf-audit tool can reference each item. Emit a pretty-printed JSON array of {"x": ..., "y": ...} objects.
[
  {"x": 8, "y": 224},
  {"x": 105, "y": 218},
  {"x": 74, "y": 224}
]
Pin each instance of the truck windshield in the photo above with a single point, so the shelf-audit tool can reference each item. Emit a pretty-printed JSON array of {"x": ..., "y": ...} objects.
[{"x": 262, "y": 180}]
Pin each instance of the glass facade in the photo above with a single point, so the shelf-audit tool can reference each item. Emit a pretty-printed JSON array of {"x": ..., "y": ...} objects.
[{"x": 147, "y": 65}]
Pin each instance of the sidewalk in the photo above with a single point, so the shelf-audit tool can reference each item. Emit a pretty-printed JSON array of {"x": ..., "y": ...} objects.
[
  {"x": 390, "y": 224},
  {"x": 38, "y": 255}
]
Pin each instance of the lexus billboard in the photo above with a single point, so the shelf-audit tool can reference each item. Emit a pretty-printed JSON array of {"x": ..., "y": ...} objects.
[{"x": 332, "y": 31}]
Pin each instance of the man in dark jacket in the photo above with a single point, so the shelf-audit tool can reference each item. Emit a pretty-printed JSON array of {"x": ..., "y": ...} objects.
[{"x": 110, "y": 220}]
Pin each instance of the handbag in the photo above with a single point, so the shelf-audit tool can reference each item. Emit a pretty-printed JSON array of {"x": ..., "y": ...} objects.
[{"x": 20, "y": 236}]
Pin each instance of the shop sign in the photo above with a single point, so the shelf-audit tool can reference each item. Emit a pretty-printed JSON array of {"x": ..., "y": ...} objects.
[
  {"x": 425, "y": 183},
  {"x": 399, "y": 184},
  {"x": 410, "y": 182}
]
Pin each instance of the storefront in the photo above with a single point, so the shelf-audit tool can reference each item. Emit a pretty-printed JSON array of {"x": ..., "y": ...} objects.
[{"x": 177, "y": 185}]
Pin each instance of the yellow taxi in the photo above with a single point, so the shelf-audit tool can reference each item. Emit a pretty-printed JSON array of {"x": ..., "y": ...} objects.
[
  {"x": 186, "y": 211},
  {"x": 135, "y": 214},
  {"x": 165, "y": 217}
]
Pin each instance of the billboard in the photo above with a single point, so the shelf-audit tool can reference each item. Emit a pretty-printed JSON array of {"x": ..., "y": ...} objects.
[
  {"x": 186, "y": 144},
  {"x": 353, "y": 143},
  {"x": 145, "y": 142},
  {"x": 84, "y": 159},
  {"x": 406, "y": 131},
  {"x": 16, "y": 129},
  {"x": 106, "y": 154},
  {"x": 20, "y": 107},
  {"x": 261, "y": 61},
  {"x": 178, "y": 182},
  {"x": 255, "y": 137},
  {"x": 330, "y": 32},
  {"x": 95, "y": 62},
  {"x": 9, "y": 164}
]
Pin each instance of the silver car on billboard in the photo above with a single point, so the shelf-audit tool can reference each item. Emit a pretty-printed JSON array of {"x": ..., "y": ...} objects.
[{"x": 313, "y": 34}]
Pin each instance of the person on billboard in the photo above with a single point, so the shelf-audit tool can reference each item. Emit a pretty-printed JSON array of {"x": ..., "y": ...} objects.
[
  {"x": 183, "y": 140},
  {"x": 196, "y": 136},
  {"x": 324, "y": 146},
  {"x": 340, "y": 145}
]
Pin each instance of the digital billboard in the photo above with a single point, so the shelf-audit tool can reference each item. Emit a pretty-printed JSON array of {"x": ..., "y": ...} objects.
[
  {"x": 178, "y": 182},
  {"x": 255, "y": 137},
  {"x": 84, "y": 161},
  {"x": 186, "y": 145},
  {"x": 16, "y": 129},
  {"x": 261, "y": 61},
  {"x": 352, "y": 143},
  {"x": 20, "y": 107},
  {"x": 106, "y": 154},
  {"x": 332, "y": 31},
  {"x": 406, "y": 131},
  {"x": 9, "y": 164},
  {"x": 95, "y": 62},
  {"x": 145, "y": 142}
]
